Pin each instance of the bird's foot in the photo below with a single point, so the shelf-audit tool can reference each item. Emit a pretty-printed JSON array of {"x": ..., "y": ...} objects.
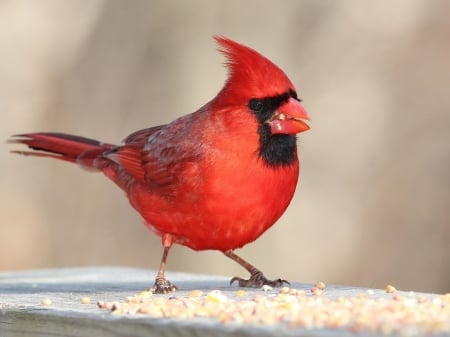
[
  {"x": 257, "y": 280},
  {"x": 163, "y": 286}
]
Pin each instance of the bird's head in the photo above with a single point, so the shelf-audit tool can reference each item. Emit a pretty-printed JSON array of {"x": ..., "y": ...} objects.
[{"x": 263, "y": 88}]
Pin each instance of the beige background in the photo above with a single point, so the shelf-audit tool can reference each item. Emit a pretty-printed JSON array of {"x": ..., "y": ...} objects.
[{"x": 373, "y": 203}]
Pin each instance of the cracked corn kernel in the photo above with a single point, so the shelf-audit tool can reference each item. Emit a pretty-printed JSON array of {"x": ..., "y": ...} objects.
[
  {"x": 216, "y": 296},
  {"x": 316, "y": 291},
  {"x": 390, "y": 289},
  {"x": 145, "y": 294},
  {"x": 85, "y": 300},
  {"x": 46, "y": 301},
  {"x": 195, "y": 293},
  {"x": 241, "y": 293},
  {"x": 284, "y": 290},
  {"x": 320, "y": 285},
  {"x": 397, "y": 297}
]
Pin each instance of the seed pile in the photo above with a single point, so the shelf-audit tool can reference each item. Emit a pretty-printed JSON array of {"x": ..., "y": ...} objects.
[{"x": 394, "y": 314}]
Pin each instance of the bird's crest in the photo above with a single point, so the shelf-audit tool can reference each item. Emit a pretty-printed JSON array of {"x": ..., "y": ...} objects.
[{"x": 250, "y": 73}]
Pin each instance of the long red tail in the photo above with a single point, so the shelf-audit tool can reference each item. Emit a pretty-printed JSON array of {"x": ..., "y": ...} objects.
[{"x": 76, "y": 149}]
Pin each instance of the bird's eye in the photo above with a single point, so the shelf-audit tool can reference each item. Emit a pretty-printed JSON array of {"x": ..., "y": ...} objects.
[{"x": 255, "y": 105}]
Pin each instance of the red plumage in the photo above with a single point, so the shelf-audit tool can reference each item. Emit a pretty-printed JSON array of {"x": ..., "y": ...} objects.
[{"x": 214, "y": 179}]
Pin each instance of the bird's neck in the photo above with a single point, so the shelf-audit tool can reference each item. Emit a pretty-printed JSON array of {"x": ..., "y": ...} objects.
[{"x": 277, "y": 150}]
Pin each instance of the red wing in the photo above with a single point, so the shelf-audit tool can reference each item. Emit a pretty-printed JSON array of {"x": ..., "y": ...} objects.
[
  {"x": 174, "y": 153},
  {"x": 141, "y": 136},
  {"x": 160, "y": 161},
  {"x": 162, "y": 172},
  {"x": 129, "y": 156}
]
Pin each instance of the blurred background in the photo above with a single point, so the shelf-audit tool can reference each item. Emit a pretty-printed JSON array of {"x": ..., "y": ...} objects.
[{"x": 372, "y": 206}]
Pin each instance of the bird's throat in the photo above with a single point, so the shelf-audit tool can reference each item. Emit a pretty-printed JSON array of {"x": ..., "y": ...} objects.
[{"x": 277, "y": 150}]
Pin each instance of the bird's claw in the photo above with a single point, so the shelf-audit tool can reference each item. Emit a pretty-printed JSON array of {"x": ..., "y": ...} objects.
[
  {"x": 163, "y": 286},
  {"x": 257, "y": 280}
]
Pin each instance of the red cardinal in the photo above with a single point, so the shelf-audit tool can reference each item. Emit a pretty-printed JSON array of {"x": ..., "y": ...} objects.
[{"x": 214, "y": 179}]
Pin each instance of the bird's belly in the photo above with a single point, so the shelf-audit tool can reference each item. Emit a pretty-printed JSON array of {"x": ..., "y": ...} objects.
[
  {"x": 223, "y": 215},
  {"x": 220, "y": 229}
]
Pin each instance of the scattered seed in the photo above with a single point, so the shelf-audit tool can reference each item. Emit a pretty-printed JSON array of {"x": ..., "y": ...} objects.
[
  {"x": 390, "y": 289},
  {"x": 301, "y": 293},
  {"x": 266, "y": 288},
  {"x": 195, "y": 293},
  {"x": 397, "y": 297},
  {"x": 115, "y": 306},
  {"x": 293, "y": 292},
  {"x": 320, "y": 285},
  {"x": 106, "y": 305},
  {"x": 101, "y": 305},
  {"x": 402, "y": 314},
  {"x": 46, "y": 301},
  {"x": 216, "y": 296},
  {"x": 259, "y": 299},
  {"x": 422, "y": 299},
  {"x": 145, "y": 293},
  {"x": 240, "y": 293},
  {"x": 284, "y": 290},
  {"x": 316, "y": 291},
  {"x": 85, "y": 300}
]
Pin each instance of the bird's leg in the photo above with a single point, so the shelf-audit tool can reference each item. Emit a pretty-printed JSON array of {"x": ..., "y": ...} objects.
[
  {"x": 257, "y": 278},
  {"x": 162, "y": 285}
]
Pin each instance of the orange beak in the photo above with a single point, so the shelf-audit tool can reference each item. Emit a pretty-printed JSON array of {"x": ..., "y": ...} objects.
[{"x": 289, "y": 118}]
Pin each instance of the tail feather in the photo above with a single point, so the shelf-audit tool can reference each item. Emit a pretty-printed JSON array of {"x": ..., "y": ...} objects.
[{"x": 76, "y": 149}]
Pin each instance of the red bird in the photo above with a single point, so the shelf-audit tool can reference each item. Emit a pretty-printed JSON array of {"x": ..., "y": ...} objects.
[{"x": 214, "y": 179}]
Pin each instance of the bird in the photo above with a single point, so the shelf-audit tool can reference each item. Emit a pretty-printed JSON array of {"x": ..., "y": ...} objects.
[{"x": 214, "y": 179}]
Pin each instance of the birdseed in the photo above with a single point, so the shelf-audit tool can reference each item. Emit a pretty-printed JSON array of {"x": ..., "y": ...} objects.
[
  {"x": 85, "y": 300},
  {"x": 320, "y": 285},
  {"x": 390, "y": 289},
  {"x": 409, "y": 314},
  {"x": 46, "y": 301}
]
